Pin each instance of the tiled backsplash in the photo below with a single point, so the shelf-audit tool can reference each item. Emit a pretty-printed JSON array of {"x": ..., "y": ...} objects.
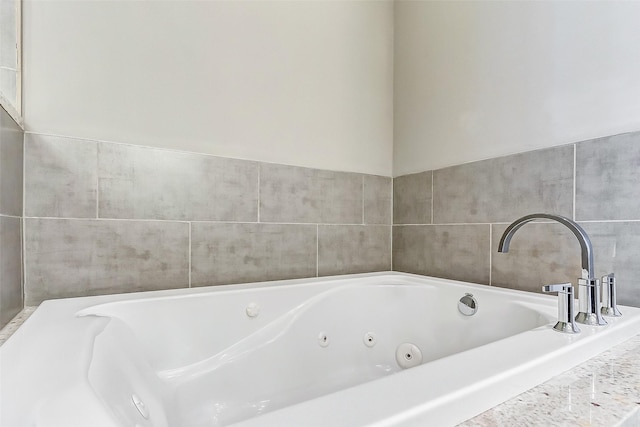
[
  {"x": 104, "y": 217},
  {"x": 448, "y": 222},
  {"x": 11, "y": 152}
]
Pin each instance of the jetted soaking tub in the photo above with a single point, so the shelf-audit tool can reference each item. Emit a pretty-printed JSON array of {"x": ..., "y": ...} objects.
[{"x": 374, "y": 349}]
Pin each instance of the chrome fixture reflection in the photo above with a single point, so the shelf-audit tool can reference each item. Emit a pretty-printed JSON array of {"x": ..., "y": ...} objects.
[
  {"x": 609, "y": 304},
  {"x": 468, "y": 305},
  {"x": 566, "y": 323},
  {"x": 588, "y": 285}
]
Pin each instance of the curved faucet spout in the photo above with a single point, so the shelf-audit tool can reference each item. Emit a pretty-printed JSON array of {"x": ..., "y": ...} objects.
[{"x": 588, "y": 271}]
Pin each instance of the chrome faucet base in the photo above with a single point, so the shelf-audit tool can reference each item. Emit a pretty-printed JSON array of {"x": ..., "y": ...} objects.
[
  {"x": 591, "y": 319},
  {"x": 566, "y": 327},
  {"x": 566, "y": 324},
  {"x": 611, "y": 311},
  {"x": 589, "y": 303},
  {"x": 609, "y": 303}
]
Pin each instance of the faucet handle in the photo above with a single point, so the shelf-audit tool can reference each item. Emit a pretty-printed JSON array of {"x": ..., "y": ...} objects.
[
  {"x": 609, "y": 304},
  {"x": 566, "y": 322},
  {"x": 559, "y": 287}
]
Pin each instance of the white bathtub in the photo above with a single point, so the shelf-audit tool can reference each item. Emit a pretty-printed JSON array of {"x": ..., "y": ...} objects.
[{"x": 318, "y": 352}]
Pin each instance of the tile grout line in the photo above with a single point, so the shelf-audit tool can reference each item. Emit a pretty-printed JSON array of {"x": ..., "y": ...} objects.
[
  {"x": 391, "y": 226},
  {"x": 575, "y": 149},
  {"x": 490, "y": 252},
  {"x": 259, "y": 194},
  {"x": 52, "y": 218},
  {"x": 97, "y": 181},
  {"x": 317, "y": 250},
  {"x": 201, "y": 221},
  {"x": 189, "y": 252},
  {"x": 23, "y": 228},
  {"x": 362, "y": 199},
  {"x": 432, "y": 197}
]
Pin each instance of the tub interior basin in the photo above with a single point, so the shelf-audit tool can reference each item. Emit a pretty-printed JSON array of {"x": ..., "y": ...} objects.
[{"x": 213, "y": 364}]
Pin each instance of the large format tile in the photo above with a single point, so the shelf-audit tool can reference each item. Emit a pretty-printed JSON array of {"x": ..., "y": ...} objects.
[
  {"x": 67, "y": 258},
  {"x": 10, "y": 269},
  {"x": 608, "y": 178},
  {"x": 237, "y": 253},
  {"x": 61, "y": 176},
  {"x": 616, "y": 247},
  {"x": 539, "y": 254},
  {"x": 505, "y": 188},
  {"x": 293, "y": 194},
  {"x": 377, "y": 199},
  {"x": 11, "y": 151},
  {"x": 459, "y": 252},
  {"x": 412, "y": 199},
  {"x": 346, "y": 249},
  {"x": 146, "y": 183}
]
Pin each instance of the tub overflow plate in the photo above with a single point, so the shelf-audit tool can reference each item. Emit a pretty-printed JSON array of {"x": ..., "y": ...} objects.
[{"x": 468, "y": 305}]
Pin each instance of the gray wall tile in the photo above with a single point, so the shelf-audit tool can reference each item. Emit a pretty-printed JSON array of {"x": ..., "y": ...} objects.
[
  {"x": 616, "y": 248},
  {"x": 345, "y": 249},
  {"x": 412, "y": 199},
  {"x": 237, "y": 253},
  {"x": 608, "y": 178},
  {"x": 505, "y": 188},
  {"x": 60, "y": 178},
  {"x": 539, "y": 254},
  {"x": 302, "y": 195},
  {"x": 11, "y": 151},
  {"x": 10, "y": 269},
  {"x": 66, "y": 258},
  {"x": 146, "y": 183},
  {"x": 459, "y": 252},
  {"x": 377, "y": 199}
]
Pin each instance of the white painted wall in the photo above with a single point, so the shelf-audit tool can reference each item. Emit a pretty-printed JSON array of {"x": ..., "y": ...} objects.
[
  {"x": 475, "y": 80},
  {"x": 308, "y": 83}
]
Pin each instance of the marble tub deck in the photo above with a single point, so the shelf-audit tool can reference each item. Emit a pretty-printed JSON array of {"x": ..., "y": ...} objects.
[{"x": 603, "y": 391}]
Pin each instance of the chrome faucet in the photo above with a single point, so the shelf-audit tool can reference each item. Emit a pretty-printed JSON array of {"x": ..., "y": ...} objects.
[
  {"x": 588, "y": 285},
  {"x": 566, "y": 323}
]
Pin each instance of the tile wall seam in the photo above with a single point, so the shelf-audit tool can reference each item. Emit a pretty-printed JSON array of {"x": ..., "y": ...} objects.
[
  {"x": 10, "y": 216},
  {"x": 432, "y": 176},
  {"x": 317, "y": 250},
  {"x": 363, "y": 200},
  {"x": 575, "y": 167},
  {"x": 189, "y": 254},
  {"x": 205, "y": 221},
  {"x": 466, "y": 223},
  {"x": 391, "y": 225},
  {"x": 259, "y": 194},
  {"x": 490, "y": 253},
  {"x": 23, "y": 222},
  {"x": 97, "y": 180},
  {"x": 182, "y": 221}
]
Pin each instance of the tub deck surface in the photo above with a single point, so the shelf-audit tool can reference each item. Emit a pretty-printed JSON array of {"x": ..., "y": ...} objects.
[{"x": 601, "y": 391}]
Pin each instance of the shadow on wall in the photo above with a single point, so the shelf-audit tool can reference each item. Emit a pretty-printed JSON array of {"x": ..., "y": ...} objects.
[{"x": 11, "y": 151}]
